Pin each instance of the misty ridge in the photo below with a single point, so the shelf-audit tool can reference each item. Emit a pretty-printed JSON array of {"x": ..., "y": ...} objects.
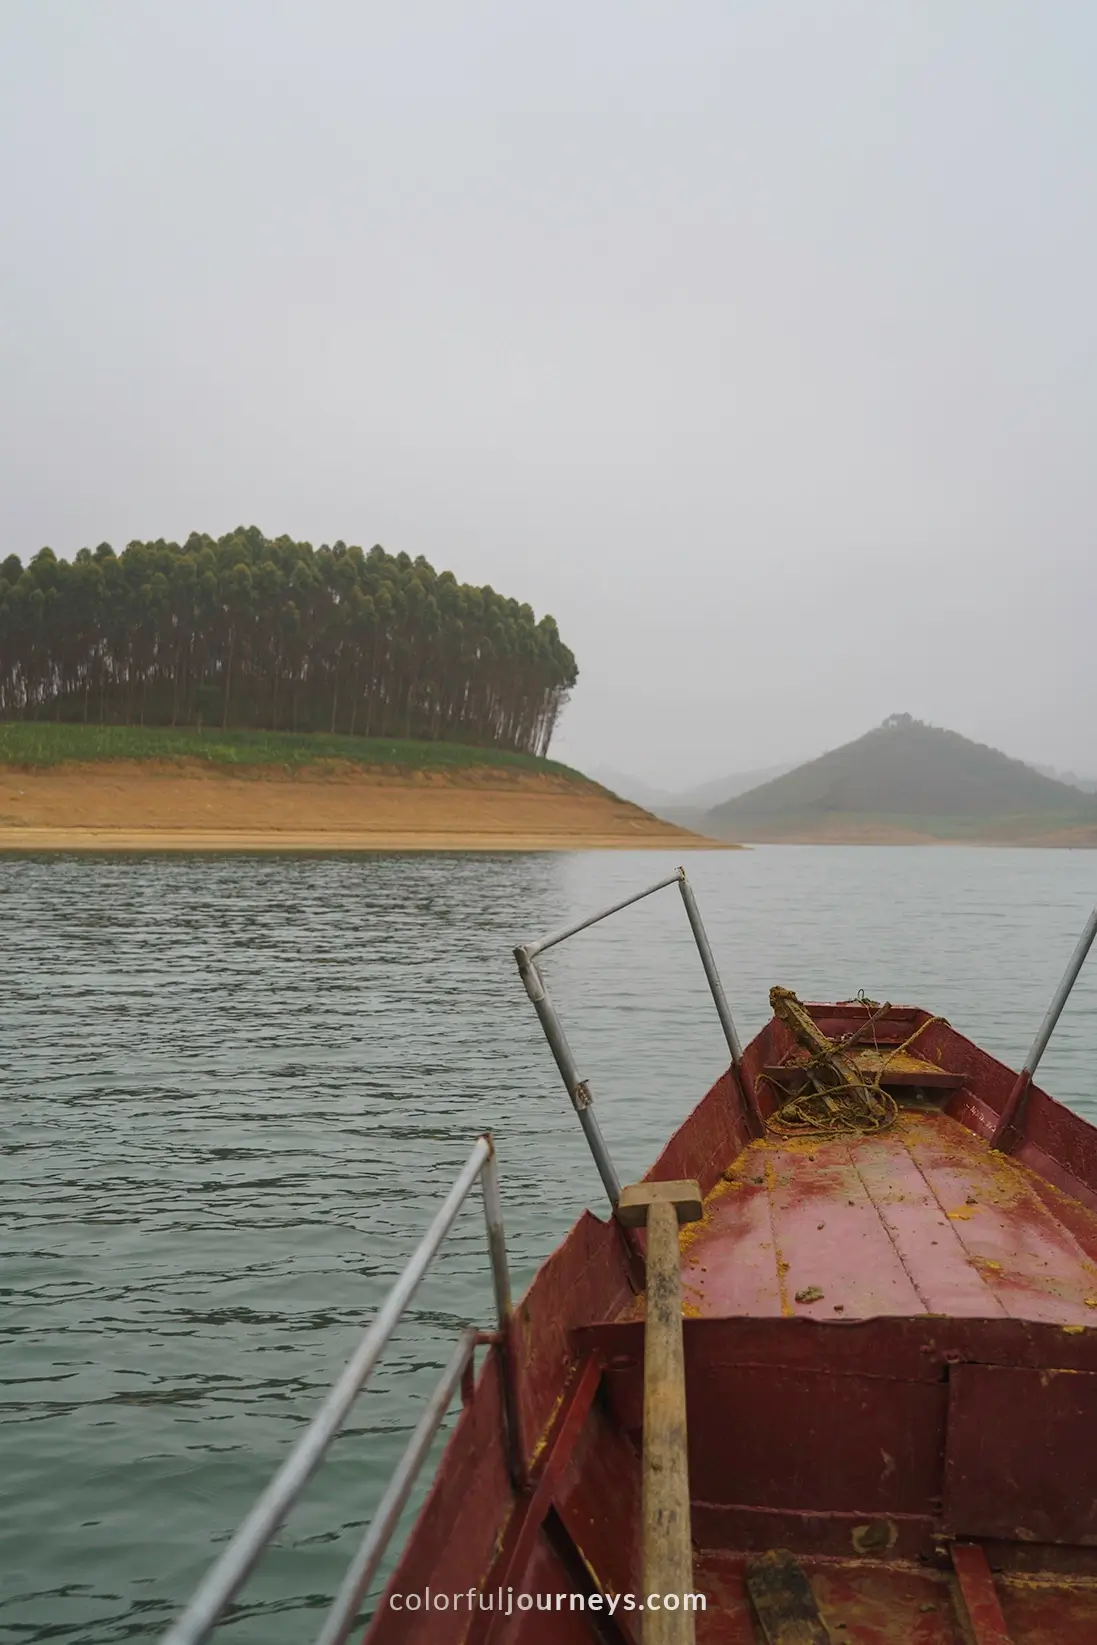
[{"x": 904, "y": 773}]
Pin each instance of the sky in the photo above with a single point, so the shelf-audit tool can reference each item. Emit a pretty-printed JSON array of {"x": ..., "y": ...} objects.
[{"x": 756, "y": 342}]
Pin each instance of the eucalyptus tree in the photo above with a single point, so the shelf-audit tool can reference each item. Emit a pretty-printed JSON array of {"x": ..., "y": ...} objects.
[{"x": 246, "y": 630}]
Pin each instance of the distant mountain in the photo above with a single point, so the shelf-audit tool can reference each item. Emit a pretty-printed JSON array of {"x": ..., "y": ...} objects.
[
  {"x": 1088, "y": 785},
  {"x": 691, "y": 801},
  {"x": 910, "y": 781},
  {"x": 721, "y": 789},
  {"x": 626, "y": 787}
]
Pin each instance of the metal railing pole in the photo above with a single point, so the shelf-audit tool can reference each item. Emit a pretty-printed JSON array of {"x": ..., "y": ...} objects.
[
  {"x": 578, "y": 1090},
  {"x": 723, "y": 1010},
  {"x": 535, "y": 948},
  {"x": 1006, "y": 1134},
  {"x": 716, "y": 987},
  {"x": 500, "y": 1278},
  {"x": 225, "y": 1578},
  {"x": 340, "y": 1619},
  {"x": 1062, "y": 993}
]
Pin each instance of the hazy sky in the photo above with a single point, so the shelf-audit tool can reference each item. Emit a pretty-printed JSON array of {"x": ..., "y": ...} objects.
[{"x": 756, "y": 342}]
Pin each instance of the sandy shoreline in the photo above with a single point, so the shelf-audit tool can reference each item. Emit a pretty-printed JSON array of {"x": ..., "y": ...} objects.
[
  {"x": 152, "y": 840},
  {"x": 141, "y": 807}
]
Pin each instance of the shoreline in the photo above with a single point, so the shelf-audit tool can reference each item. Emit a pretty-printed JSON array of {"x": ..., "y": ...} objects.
[
  {"x": 208, "y": 841},
  {"x": 135, "y": 806}
]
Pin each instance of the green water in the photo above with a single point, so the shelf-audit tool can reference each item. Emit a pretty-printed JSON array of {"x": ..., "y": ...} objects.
[{"x": 232, "y": 1091}]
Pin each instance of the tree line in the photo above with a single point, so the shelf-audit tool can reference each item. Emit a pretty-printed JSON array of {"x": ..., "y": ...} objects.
[{"x": 247, "y": 630}]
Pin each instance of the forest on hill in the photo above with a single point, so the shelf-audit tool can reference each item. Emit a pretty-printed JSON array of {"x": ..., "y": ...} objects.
[
  {"x": 908, "y": 774},
  {"x": 268, "y": 633}
]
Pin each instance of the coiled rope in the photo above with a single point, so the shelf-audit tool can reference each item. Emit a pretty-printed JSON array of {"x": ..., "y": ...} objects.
[{"x": 845, "y": 1100}]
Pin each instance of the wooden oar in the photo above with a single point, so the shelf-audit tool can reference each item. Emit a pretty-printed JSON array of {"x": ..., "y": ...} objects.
[{"x": 667, "y": 1540}]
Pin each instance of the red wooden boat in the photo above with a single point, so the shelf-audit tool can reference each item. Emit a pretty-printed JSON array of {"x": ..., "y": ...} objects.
[{"x": 888, "y": 1325}]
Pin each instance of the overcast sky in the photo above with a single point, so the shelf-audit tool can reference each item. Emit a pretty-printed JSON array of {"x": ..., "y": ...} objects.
[{"x": 756, "y": 342}]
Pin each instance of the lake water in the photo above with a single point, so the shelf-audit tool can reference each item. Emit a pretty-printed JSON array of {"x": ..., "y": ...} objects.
[{"x": 233, "y": 1090}]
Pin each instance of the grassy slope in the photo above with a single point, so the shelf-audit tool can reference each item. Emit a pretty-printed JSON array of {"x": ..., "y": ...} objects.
[
  {"x": 42, "y": 743},
  {"x": 913, "y": 776}
]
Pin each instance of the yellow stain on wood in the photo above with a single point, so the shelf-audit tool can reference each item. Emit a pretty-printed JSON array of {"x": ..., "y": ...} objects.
[
  {"x": 1001, "y": 1181},
  {"x": 524, "y": 1334},
  {"x": 689, "y": 1231},
  {"x": 782, "y": 1266},
  {"x": 543, "y": 1441}
]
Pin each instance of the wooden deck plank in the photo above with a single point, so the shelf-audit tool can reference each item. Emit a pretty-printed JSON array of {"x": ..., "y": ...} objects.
[
  {"x": 925, "y": 1239},
  {"x": 728, "y": 1261},
  {"x": 984, "y": 1611},
  {"x": 786, "y": 1608},
  {"x": 1024, "y": 1255},
  {"x": 830, "y": 1238},
  {"x": 861, "y": 1602},
  {"x": 922, "y": 1218}
]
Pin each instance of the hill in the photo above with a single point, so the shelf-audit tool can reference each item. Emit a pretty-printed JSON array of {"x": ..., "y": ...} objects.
[
  {"x": 72, "y": 787},
  {"x": 907, "y": 781}
]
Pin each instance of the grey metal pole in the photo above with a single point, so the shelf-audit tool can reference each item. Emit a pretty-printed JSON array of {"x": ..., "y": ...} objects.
[
  {"x": 363, "y": 1567},
  {"x": 535, "y": 948},
  {"x": 227, "y": 1576},
  {"x": 500, "y": 1277},
  {"x": 704, "y": 948},
  {"x": 1007, "y": 1124},
  {"x": 1062, "y": 993},
  {"x": 578, "y": 1089},
  {"x": 723, "y": 1010},
  {"x": 497, "y": 1244}
]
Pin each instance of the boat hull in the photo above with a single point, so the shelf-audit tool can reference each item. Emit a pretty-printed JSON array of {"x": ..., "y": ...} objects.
[{"x": 891, "y": 1371}]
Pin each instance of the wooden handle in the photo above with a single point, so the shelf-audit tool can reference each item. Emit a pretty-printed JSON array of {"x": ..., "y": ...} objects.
[{"x": 668, "y": 1543}]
